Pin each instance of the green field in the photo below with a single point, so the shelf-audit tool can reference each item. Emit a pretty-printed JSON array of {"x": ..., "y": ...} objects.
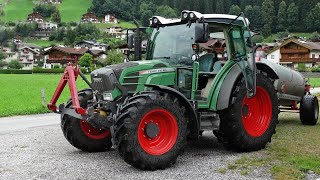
[
  {"x": 72, "y": 10},
  {"x": 315, "y": 82},
  {"x": 17, "y": 10},
  {"x": 42, "y": 43},
  {"x": 21, "y": 94}
]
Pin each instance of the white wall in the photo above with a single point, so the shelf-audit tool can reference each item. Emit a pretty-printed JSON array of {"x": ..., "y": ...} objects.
[
  {"x": 274, "y": 56},
  {"x": 317, "y": 54}
]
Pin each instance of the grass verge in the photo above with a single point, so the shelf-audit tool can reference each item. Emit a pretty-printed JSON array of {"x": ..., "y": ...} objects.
[
  {"x": 21, "y": 94},
  {"x": 292, "y": 154}
]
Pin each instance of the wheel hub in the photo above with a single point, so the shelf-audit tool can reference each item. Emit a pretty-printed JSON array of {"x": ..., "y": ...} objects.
[{"x": 152, "y": 130}]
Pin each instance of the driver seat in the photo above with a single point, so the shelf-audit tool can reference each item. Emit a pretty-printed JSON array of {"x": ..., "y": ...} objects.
[{"x": 206, "y": 63}]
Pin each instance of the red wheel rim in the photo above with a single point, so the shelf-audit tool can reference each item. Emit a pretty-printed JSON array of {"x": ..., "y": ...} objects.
[
  {"x": 167, "y": 134},
  {"x": 257, "y": 113},
  {"x": 92, "y": 132}
]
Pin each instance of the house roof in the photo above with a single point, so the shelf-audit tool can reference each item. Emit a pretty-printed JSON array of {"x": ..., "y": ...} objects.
[
  {"x": 35, "y": 15},
  {"x": 93, "y": 43},
  {"x": 76, "y": 51},
  {"x": 33, "y": 46},
  {"x": 309, "y": 45},
  {"x": 96, "y": 52},
  {"x": 34, "y": 51}
]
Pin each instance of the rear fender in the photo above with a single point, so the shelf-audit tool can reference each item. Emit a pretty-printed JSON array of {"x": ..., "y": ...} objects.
[
  {"x": 231, "y": 79},
  {"x": 194, "y": 123}
]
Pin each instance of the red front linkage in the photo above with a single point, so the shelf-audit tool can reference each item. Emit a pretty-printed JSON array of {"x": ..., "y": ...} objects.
[{"x": 70, "y": 76}]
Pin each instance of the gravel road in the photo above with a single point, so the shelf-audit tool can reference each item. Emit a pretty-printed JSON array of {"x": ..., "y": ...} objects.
[{"x": 33, "y": 147}]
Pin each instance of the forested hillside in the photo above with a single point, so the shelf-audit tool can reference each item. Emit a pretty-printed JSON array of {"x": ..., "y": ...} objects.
[{"x": 267, "y": 15}]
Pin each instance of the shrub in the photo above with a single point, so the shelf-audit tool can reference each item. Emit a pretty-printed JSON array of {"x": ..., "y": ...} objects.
[
  {"x": 15, "y": 64},
  {"x": 15, "y": 71},
  {"x": 56, "y": 66},
  {"x": 301, "y": 67}
]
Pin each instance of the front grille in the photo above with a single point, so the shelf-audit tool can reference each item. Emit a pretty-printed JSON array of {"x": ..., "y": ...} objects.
[
  {"x": 131, "y": 81},
  {"x": 103, "y": 79}
]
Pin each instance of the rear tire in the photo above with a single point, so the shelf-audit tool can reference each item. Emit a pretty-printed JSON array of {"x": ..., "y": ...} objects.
[
  {"x": 309, "y": 110},
  {"x": 248, "y": 124},
  {"x": 155, "y": 149},
  {"x": 81, "y": 134}
]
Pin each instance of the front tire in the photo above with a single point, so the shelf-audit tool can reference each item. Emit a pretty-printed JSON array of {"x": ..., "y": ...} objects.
[
  {"x": 151, "y": 131},
  {"x": 309, "y": 110},
  {"x": 81, "y": 134},
  {"x": 249, "y": 123}
]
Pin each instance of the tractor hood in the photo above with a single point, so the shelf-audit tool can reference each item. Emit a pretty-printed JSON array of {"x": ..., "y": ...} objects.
[{"x": 127, "y": 74}]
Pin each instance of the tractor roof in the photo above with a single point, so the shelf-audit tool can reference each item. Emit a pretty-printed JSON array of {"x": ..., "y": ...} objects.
[{"x": 193, "y": 16}]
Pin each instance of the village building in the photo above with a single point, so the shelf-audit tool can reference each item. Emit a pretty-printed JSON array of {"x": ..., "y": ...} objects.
[
  {"x": 110, "y": 19},
  {"x": 215, "y": 46},
  {"x": 35, "y": 17},
  {"x": 115, "y": 31},
  {"x": 27, "y": 55},
  {"x": 126, "y": 32},
  {"x": 17, "y": 39},
  {"x": 292, "y": 52},
  {"x": 45, "y": 29},
  {"x": 62, "y": 55},
  {"x": 89, "y": 17},
  {"x": 92, "y": 45},
  {"x": 51, "y": 1}
]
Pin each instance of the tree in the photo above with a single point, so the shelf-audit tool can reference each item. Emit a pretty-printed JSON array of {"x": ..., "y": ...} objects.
[
  {"x": 293, "y": 14},
  {"x": 15, "y": 64},
  {"x": 86, "y": 60},
  {"x": 56, "y": 17},
  {"x": 46, "y": 10},
  {"x": 219, "y": 6},
  {"x": 2, "y": 56},
  {"x": 235, "y": 10},
  {"x": 282, "y": 16},
  {"x": 166, "y": 11},
  {"x": 312, "y": 19},
  {"x": 114, "y": 57},
  {"x": 267, "y": 12}
]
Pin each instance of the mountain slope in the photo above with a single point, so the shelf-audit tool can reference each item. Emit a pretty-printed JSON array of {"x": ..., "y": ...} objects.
[{"x": 72, "y": 10}]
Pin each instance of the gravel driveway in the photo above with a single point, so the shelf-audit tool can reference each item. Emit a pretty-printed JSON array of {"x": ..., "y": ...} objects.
[{"x": 38, "y": 150}]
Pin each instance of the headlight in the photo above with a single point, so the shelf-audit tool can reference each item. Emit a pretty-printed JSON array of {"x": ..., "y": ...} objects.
[
  {"x": 192, "y": 15},
  {"x": 185, "y": 15},
  {"x": 107, "y": 96}
]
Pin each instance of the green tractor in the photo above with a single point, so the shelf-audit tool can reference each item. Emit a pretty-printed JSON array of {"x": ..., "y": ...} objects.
[{"x": 148, "y": 110}]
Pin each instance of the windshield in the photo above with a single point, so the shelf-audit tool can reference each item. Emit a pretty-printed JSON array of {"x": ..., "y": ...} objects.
[{"x": 173, "y": 43}]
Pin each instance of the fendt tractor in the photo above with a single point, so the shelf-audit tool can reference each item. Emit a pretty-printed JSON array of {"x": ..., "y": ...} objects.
[{"x": 148, "y": 110}]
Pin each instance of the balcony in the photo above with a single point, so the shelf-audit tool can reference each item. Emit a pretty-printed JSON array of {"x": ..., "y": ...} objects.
[
  {"x": 301, "y": 60},
  {"x": 60, "y": 60},
  {"x": 294, "y": 51}
]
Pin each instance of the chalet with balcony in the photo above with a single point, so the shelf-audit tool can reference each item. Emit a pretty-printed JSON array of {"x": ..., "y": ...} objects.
[
  {"x": 35, "y": 17},
  {"x": 293, "y": 51},
  {"x": 216, "y": 46},
  {"x": 63, "y": 55},
  {"x": 110, "y": 19},
  {"x": 89, "y": 17},
  {"x": 115, "y": 31},
  {"x": 28, "y": 57}
]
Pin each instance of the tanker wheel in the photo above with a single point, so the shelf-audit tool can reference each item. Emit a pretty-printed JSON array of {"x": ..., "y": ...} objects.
[
  {"x": 81, "y": 134},
  {"x": 151, "y": 131},
  {"x": 249, "y": 123},
  {"x": 309, "y": 110}
]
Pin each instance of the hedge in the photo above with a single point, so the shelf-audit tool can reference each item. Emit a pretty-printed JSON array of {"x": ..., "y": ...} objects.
[
  {"x": 15, "y": 71},
  {"x": 37, "y": 71}
]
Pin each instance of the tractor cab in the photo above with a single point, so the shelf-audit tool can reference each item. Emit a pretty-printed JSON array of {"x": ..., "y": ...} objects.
[{"x": 199, "y": 46}]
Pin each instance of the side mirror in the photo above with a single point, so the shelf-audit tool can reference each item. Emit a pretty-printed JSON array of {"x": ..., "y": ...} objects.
[
  {"x": 201, "y": 33},
  {"x": 130, "y": 41}
]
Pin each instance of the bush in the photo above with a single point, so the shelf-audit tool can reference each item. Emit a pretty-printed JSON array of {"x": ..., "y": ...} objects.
[
  {"x": 301, "y": 67},
  {"x": 73, "y": 23},
  {"x": 56, "y": 66},
  {"x": 11, "y": 23},
  {"x": 15, "y": 64},
  {"x": 50, "y": 71},
  {"x": 314, "y": 69},
  {"x": 15, "y": 71}
]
